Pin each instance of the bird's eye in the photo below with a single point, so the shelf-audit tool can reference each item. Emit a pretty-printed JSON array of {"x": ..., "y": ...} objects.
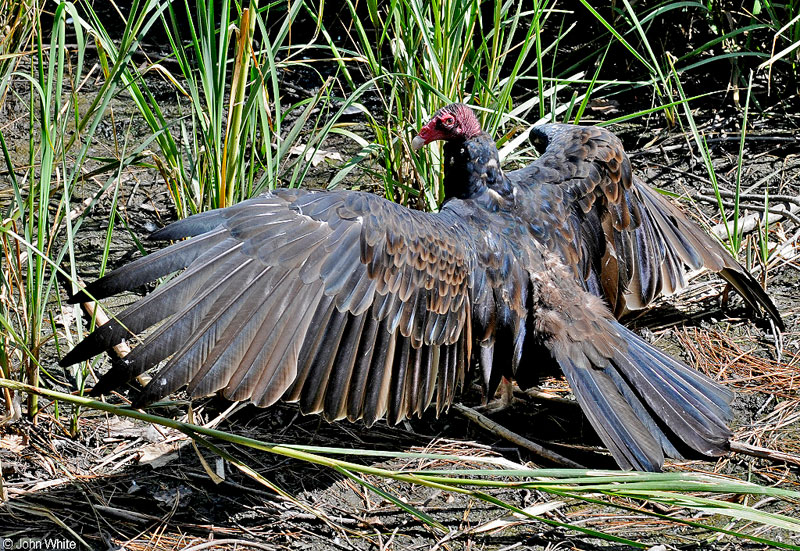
[{"x": 448, "y": 121}]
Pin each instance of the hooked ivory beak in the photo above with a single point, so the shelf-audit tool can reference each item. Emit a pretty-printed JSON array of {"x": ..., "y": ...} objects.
[{"x": 418, "y": 143}]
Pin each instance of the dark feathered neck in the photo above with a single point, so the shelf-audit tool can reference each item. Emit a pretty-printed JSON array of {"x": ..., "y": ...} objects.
[{"x": 472, "y": 171}]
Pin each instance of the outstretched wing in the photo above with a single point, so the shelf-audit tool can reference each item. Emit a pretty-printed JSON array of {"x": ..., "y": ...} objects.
[
  {"x": 352, "y": 305},
  {"x": 628, "y": 243}
]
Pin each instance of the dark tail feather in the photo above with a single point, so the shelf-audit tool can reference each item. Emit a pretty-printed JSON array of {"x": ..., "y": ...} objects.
[
  {"x": 693, "y": 407},
  {"x": 645, "y": 405},
  {"x": 618, "y": 416}
]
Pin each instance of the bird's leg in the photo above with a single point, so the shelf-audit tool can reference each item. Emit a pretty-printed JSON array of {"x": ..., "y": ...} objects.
[{"x": 504, "y": 397}]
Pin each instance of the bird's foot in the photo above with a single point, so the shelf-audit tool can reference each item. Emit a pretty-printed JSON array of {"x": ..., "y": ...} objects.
[{"x": 504, "y": 398}]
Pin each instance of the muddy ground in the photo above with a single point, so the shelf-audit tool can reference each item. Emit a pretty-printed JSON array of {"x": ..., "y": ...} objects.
[{"x": 121, "y": 483}]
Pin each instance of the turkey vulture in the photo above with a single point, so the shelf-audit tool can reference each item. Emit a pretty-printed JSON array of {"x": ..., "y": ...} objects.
[{"x": 357, "y": 307}]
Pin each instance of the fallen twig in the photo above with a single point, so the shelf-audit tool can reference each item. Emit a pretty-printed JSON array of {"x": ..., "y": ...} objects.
[
  {"x": 753, "y": 221},
  {"x": 499, "y": 430},
  {"x": 126, "y": 514},
  {"x": 764, "y": 453},
  {"x": 237, "y": 543}
]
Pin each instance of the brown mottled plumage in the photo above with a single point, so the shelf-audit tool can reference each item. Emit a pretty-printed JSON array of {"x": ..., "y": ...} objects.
[{"x": 356, "y": 307}]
